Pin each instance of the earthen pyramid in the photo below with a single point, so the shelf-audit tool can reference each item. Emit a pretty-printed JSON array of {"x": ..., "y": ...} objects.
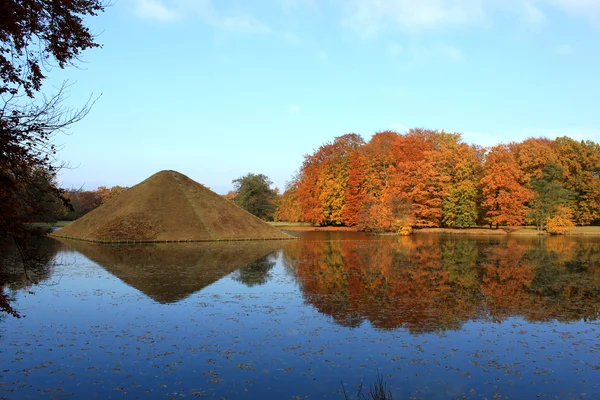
[{"x": 168, "y": 207}]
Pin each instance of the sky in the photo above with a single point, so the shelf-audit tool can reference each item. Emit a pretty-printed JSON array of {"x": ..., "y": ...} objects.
[{"x": 216, "y": 89}]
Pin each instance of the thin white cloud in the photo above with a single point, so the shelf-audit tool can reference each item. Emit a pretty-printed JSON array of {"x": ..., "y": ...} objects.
[
  {"x": 371, "y": 16},
  {"x": 425, "y": 53},
  {"x": 450, "y": 52},
  {"x": 291, "y": 37},
  {"x": 563, "y": 49},
  {"x": 394, "y": 49},
  {"x": 323, "y": 57},
  {"x": 588, "y": 8},
  {"x": 155, "y": 10},
  {"x": 203, "y": 9},
  {"x": 290, "y": 6},
  {"x": 241, "y": 24},
  {"x": 294, "y": 109},
  {"x": 399, "y": 127},
  {"x": 531, "y": 14}
]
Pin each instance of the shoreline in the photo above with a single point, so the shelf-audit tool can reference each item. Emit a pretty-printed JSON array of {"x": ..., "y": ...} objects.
[{"x": 522, "y": 231}]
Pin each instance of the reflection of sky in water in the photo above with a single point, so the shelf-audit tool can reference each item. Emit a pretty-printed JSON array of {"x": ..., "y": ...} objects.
[{"x": 88, "y": 333}]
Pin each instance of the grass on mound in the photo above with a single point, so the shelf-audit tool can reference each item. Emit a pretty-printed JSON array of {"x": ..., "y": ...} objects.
[{"x": 169, "y": 207}]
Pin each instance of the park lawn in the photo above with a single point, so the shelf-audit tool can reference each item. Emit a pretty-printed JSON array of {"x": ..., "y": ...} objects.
[
  {"x": 585, "y": 230},
  {"x": 578, "y": 230},
  {"x": 284, "y": 224},
  {"x": 526, "y": 231},
  {"x": 57, "y": 224}
]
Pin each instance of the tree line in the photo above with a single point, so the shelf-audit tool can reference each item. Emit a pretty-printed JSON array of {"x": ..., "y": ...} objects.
[
  {"x": 423, "y": 178},
  {"x": 429, "y": 178}
]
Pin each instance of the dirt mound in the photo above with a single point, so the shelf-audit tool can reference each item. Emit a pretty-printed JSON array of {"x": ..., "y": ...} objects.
[{"x": 168, "y": 207}]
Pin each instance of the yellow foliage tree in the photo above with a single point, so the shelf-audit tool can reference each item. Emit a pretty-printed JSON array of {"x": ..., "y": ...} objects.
[{"x": 561, "y": 223}]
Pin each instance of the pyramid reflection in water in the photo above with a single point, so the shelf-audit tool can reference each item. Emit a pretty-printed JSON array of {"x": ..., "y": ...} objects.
[{"x": 170, "y": 272}]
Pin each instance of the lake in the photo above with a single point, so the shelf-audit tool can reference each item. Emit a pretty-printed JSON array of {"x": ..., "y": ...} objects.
[{"x": 435, "y": 317}]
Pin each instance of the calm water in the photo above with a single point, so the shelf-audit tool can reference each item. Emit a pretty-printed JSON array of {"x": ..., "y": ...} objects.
[{"x": 437, "y": 317}]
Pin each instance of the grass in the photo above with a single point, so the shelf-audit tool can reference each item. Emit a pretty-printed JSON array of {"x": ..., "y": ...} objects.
[
  {"x": 578, "y": 230},
  {"x": 585, "y": 230},
  {"x": 57, "y": 224},
  {"x": 281, "y": 224},
  {"x": 515, "y": 231},
  {"x": 377, "y": 391}
]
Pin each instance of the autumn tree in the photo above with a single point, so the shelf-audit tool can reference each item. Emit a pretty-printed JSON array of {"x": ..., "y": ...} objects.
[
  {"x": 581, "y": 163},
  {"x": 549, "y": 196},
  {"x": 289, "y": 207},
  {"x": 532, "y": 155},
  {"x": 324, "y": 179},
  {"x": 440, "y": 175},
  {"x": 460, "y": 205},
  {"x": 391, "y": 213},
  {"x": 371, "y": 177},
  {"x": 108, "y": 194},
  {"x": 505, "y": 195},
  {"x": 442, "y": 181},
  {"x": 561, "y": 221},
  {"x": 83, "y": 201},
  {"x": 429, "y": 180},
  {"x": 254, "y": 194}
]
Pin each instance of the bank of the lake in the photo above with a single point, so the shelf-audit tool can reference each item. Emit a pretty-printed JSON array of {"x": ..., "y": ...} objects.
[{"x": 478, "y": 231}]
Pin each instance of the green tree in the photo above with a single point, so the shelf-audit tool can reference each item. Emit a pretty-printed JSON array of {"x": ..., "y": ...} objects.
[
  {"x": 460, "y": 208},
  {"x": 549, "y": 195},
  {"x": 253, "y": 193},
  {"x": 256, "y": 273}
]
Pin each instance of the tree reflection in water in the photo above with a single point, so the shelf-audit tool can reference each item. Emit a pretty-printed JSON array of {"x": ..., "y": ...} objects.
[
  {"x": 256, "y": 273},
  {"x": 428, "y": 284},
  {"x": 22, "y": 270}
]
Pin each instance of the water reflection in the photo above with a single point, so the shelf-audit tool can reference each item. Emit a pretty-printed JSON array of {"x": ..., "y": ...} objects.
[
  {"x": 427, "y": 284},
  {"x": 20, "y": 269},
  {"x": 170, "y": 272},
  {"x": 256, "y": 273},
  {"x": 23, "y": 268},
  {"x": 327, "y": 311}
]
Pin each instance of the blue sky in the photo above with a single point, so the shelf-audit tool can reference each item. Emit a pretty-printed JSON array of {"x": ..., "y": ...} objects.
[{"x": 217, "y": 89}]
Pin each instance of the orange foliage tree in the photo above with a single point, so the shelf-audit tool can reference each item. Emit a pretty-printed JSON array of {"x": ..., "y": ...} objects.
[
  {"x": 505, "y": 195},
  {"x": 439, "y": 180},
  {"x": 372, "y": 184},
  {"x": 532, "y": 155},
  {"x": 324, "y": 179},
  {"x": 289, "y": 207}
]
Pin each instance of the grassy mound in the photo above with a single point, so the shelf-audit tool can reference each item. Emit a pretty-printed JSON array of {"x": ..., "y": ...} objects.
[{"x": 168, "y": 207}]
